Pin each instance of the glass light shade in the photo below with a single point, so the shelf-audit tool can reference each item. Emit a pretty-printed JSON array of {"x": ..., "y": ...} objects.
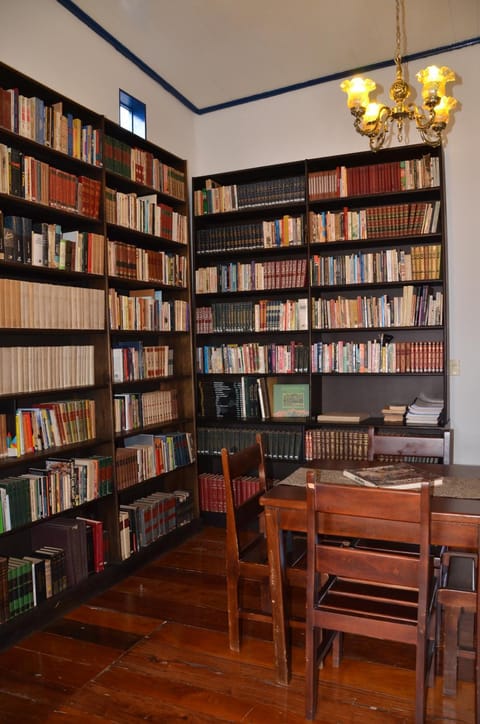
[
  {"x": 447, "y": 103},
  {"x": 371, "y": 113},
  {"x": 358, "y": 90},
  {"x": 433, "y": 80}
]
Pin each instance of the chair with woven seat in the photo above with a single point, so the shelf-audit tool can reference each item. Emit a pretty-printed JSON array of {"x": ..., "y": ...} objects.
[
  {"x": 383, "y": 594},
  {"x": 246, "y": 546}
]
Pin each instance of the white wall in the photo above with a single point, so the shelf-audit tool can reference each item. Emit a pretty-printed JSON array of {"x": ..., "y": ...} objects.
[
  {"x": 43, "y": 40},
  {"x": 58, "y": 50}
]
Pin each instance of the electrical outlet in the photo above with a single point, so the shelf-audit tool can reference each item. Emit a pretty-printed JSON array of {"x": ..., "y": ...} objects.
[{"x": 454, "y": 367}]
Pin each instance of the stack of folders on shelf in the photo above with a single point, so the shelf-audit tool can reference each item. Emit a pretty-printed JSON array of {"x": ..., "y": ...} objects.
[
  {"x": 400, "y": 476},
  {"x": 424, "y": 411}
]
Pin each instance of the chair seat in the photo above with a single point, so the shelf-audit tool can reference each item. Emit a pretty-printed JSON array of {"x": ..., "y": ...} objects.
[{"x": 378, "y": 604}]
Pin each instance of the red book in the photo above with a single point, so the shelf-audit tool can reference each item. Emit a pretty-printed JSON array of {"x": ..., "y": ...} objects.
[{"x": 96, "y": 528}]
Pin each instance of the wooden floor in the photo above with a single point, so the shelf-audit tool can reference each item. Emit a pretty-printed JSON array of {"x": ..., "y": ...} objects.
[{"x": 154, "y": 648}]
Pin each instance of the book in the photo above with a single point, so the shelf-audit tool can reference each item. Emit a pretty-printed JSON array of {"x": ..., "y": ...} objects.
[
  {"x": 291, "y": 400},
  {"x": 342, "y": 416},
  {"x": 400, "y": 476}
]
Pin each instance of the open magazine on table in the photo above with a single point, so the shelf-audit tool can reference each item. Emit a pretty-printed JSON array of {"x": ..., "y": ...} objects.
[{"x": 401, "y": 476}]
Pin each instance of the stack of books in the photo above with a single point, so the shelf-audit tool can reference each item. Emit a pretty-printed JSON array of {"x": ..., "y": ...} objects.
[
  {"x": 424, "y": 411},
  {"x": 394, "y": 414}
]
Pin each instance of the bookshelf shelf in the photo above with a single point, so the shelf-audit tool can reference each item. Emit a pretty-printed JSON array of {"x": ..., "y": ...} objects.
[
  {"x": 370, "y": 231},
  {"x": 58, "y": 396}
]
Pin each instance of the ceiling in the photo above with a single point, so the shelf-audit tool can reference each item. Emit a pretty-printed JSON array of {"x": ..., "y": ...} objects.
[{"x": 215, "y": 52}]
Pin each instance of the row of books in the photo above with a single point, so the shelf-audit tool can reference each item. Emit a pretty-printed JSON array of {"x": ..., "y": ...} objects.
[
  {"x": 234, "y": 399},
  {"x": 147, "y": 519},
  {"x": 267, "y": 234},
  {"x": 416, "y": 307},
  {"x": 142, "y": 462},
  {"x": 65, "y": 552},
  {"x": 46, "y": 245},
  {"x": 33, "y": 118},
  {"x": 62, "y": 484},
  {"x": 36, "y": 305},
  {"x": 336, "y": 444},
  {"x": 146, "y": 310},
  {"x": 266, "y": 315},
  {"x": 387, "y": 265},
  {"x": 147, "y": 455},
  {"x": 31, "y": 369},
  {"x": 251, "y": 276},
  {"x": 375, "y": 357},
  {"x": 375, "y": 222},
  {"x": 278, "y": 444},
  {"x": 145, "y": 214},
  {"x": 136, "y": 361},
  {"x": 253, "y": 358},
  {"x": 132, "y": 262},
  {"x": 25, "y": 582},
  {"x": 52, "y": 424},
  {"x": 28, "y": 178},
  {"x": 211, "y": 488},
  {"x": 405, "y": 175},
  {"x": 133, "y": 410},
  {"x": 142, "y": 167},
  {"x": 216, "y": 198}
]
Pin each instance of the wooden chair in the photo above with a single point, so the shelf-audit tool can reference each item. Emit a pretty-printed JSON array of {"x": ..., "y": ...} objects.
[
  {"x": 246, "y": 547},
  {"x": 381, "y": 594},
  {"x": 457, "y": 595},
  {"x": 416, "y": 446}
]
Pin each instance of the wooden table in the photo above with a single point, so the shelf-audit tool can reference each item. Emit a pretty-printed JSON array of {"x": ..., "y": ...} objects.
[{"x": 455, "y": 520}]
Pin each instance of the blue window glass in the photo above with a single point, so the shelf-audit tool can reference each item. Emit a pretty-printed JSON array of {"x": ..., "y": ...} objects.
[{"x": 133, "y": 114}]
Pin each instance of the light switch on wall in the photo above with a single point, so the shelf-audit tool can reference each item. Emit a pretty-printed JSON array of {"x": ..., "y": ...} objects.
[{"x": 454, "y": 367}]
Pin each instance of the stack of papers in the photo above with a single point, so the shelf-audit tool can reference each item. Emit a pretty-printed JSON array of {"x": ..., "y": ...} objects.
[{"x": 424, "y": 411}]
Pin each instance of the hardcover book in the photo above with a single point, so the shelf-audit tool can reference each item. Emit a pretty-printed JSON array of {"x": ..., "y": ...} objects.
[
  {"x": 291, "y": 400},
  {"x": 342, "y": 416},
  {"x": 401, "y": 476}
]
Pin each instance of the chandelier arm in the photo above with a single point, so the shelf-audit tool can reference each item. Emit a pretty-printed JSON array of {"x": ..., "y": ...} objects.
[
  {"x": 374, "y": 127},
  {"x": 432, "y": 136},
  {"x": 423, "y": 120}
]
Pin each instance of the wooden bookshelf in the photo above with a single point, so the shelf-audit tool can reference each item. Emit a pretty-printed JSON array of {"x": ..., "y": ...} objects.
[
  {"x": 83, "y": 331},
  {"x": 329, "y": 272}
]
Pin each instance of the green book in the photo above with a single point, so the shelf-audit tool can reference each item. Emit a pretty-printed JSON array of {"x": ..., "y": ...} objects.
[{"x": 291, "y": 400}]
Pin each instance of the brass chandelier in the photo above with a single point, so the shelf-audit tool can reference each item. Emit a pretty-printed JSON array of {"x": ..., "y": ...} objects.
[{"x": 375, "y": 120}]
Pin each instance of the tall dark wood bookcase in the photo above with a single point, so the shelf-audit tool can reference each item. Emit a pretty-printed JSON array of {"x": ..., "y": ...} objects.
[
  {"x": 372, "y": 241},
  {"x": 67, "y": 266}
]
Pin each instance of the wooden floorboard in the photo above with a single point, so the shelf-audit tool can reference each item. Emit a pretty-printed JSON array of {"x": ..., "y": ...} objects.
[{"x": 154, "y": 648}]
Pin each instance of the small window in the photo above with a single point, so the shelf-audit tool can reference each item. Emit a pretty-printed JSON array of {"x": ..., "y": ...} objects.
[{"x": 133, "y": 114}]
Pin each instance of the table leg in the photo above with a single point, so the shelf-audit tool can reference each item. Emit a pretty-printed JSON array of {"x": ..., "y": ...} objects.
[{"x": 276, "y": 559}]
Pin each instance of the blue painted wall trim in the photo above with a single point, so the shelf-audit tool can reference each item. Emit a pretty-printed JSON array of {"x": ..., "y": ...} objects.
[{"x": 123, "y": 50}]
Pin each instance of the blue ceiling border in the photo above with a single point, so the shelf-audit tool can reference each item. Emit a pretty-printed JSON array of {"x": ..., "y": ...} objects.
[{"x": 123, "y": 50}]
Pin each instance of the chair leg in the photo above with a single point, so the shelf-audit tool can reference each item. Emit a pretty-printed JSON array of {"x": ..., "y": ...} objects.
[
  {"x": 450, "y": 663},
  {"x": 233, "y": 615},
  {"x": 311, "y": 672},
  {"x": 337, "y": 649},
  {"x": 421, "y": 682}
]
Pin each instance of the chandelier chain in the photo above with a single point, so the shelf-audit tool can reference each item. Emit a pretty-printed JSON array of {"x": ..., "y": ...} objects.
[{"x": 398, "y": 55}]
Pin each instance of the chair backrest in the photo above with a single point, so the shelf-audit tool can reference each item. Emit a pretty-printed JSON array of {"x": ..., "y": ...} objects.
[
  {"x": 249, "y": 461},
  {"x": 424, "y": 447},
  {"x": 369, "y": 513}
]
